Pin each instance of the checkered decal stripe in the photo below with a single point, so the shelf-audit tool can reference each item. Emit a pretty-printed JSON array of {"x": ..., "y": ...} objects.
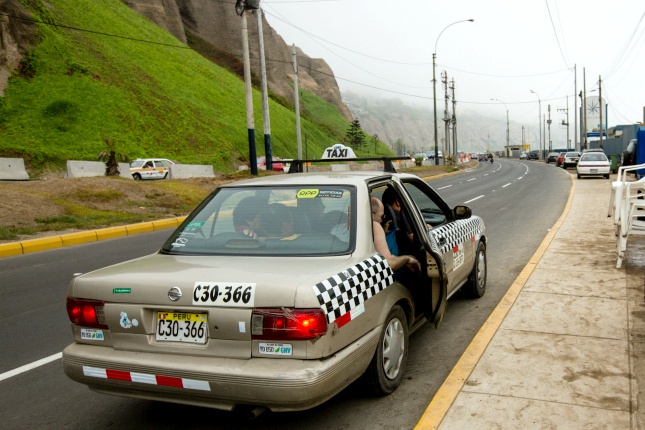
[
  {"x": 456, "y": 233},
  {"x": 345, "y": 291}
]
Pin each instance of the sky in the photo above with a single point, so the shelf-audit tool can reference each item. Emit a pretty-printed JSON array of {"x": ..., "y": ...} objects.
[{"x": 383, "y": 48}]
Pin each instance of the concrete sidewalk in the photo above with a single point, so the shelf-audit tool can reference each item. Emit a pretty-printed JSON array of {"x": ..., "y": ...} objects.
[{"x": 565, "y": 348}]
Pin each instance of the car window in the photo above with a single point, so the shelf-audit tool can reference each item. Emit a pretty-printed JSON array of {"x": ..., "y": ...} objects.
[
  {"x": 593, "y": 157},
  {"x": 432, "y": 211},
  {"x": 295, "y": 221},
  {"x": 136, "y": 163}
]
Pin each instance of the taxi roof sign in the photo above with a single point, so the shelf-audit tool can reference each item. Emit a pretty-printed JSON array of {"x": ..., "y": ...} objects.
[{"x": 338, "y": 151}]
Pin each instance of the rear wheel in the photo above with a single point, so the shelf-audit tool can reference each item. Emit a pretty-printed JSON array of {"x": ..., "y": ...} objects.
[
  {"x": 579, "y": 176},
  {"x": 476, "y": 285},
  {"x": 387, "y": 367}
]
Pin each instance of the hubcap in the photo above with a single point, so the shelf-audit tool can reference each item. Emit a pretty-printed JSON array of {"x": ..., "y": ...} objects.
[
  {"x": 481, "y": 269},
  {"x": 393, "y": 348}
]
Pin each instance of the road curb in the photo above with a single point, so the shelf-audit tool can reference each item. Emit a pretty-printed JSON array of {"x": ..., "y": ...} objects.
[{"x": 71, "y": 239}]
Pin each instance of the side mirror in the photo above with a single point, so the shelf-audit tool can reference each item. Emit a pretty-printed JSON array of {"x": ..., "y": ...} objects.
[{"x": 462, "y": 212}]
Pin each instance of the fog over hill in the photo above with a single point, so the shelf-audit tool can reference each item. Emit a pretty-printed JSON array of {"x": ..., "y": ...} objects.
[{"x": 392, "y": 119}]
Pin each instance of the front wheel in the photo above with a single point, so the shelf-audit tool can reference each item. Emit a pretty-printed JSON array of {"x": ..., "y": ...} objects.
[
  {"x": 476, "y": 285},
  {"x": 137, "y": 177},
  {"x": 387, "y": 367}
]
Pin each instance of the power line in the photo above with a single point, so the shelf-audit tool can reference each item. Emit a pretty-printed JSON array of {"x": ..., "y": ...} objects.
[{"x": 555, "y": 33}]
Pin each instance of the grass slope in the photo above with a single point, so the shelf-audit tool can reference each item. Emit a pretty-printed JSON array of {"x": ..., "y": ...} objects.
[{"x": 155, "y": 100}]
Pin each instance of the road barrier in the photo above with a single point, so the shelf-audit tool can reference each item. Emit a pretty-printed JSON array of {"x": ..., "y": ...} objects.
[
  {"x": 185, "y": 171},
  {"x": 84, "y": 169},
  {"x": 13, "y": 169}
]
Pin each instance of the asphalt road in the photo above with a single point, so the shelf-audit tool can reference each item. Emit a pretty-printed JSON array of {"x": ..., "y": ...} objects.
[{"x": 518, "y": 200}]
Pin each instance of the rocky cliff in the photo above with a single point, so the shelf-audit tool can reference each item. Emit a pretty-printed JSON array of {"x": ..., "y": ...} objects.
[
  {"x": 16, "y": 37},
  {"x": 217, "y": 24}
]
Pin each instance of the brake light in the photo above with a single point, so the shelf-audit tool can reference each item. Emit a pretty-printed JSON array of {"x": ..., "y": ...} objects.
[
  {"x": 287, "y": 324},
  {"x": 86, "y": 313}
]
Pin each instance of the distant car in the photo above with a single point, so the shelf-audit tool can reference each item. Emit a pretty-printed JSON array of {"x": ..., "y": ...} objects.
[
  {"x": 560, "y": 159},
  {"x": 420, "y": 155},
  {"x": 552, "y": 157},
  {"x": 593, "y": 164},
  {"x": 570, "y": 159},
  {"x": 150, "y": 168},
  {"x": 533, "y": 155},
  {"x": 430, "y": 155},
  {"x": 271, "y": 294},
  {"x": 523, "y": 155},
  {"x": 277, "y": 164}
]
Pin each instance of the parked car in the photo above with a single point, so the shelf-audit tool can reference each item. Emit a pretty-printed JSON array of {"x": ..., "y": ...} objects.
[
  {"x": 421, "y": 155},
  {"x": 570, "y": 159},
  {"x": 271, "y": 295},
  {"x": 277, "y": 164},
  {"x": 560, "y": 159},
  {"x": 552, "y": 157},
  {"x": 150, "y": 168},
  {"x": 533, "y": 155},
  {"x": 593, "y": 164},
  {"x": 523, "y": 155}
]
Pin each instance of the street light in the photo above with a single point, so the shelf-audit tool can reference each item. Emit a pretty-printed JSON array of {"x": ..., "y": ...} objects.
[
  {"x": 434, "y": 88},
  {"x": 539, "y": 120},
  {"x": 507, "y": 133}
]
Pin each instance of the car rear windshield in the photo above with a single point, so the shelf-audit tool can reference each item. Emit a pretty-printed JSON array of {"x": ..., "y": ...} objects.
[
  {"x": 593, "y": 157},
  {"x": 270, "y": 221}
]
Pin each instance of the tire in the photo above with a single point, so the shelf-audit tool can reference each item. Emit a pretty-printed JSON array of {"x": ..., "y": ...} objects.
[
  {"x": 607, "y": 176},
  {"x": 579, "y": 176},
  {"x": 137, "y": 177},
  {"x": 476, "y": 285},
  {"x": 385, "y": 372},
  {"x": 165, "y": 175}
]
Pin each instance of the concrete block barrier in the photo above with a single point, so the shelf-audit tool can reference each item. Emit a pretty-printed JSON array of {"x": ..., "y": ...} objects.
[
  {"x": 85, "y": 169},
  {"x": 185, "y": 171},
  {"x": 13, "y": 169}
]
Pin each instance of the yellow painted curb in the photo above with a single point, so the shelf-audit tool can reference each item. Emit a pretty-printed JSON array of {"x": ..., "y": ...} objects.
[
  {"x": 143, "y": 227},
  {"x": 111, "y": 233},
  {"x": 42, "y": 244},
  {"x": 164, "y": 223},
  {"x": 78, "y": 238},
  {"x": 10, "y": 249},
  {"x": 447, "y": 393}
]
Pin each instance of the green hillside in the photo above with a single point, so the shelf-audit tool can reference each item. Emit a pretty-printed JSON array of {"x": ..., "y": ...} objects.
[{"x": 76, "y": 88}]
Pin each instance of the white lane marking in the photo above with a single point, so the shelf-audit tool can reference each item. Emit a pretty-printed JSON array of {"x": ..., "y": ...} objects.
[
  {"x": 486, "y": 174},
  {"x": 471, "y": 179},
  {"x": 447, "y": 186},
  {"x": 30, "y": 366},
  {"x": 476, "y": 198},
  {"x": 504, "y": 186}
]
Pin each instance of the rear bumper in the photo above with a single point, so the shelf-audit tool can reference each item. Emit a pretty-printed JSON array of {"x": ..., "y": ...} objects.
[{"x": 220, "y": 383}]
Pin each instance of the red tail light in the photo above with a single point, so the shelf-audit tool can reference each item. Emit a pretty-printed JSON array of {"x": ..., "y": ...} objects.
[
  {"x": 86, "y": 313},
  {"x": 288, "y": 324}
]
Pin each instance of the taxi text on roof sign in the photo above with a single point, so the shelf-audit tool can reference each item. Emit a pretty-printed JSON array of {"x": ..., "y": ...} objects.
[{"x": 338, "y": 151}]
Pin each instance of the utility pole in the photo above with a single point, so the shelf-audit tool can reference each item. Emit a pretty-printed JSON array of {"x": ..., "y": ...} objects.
[
  {"x": 296, "y": 90},
  {"x": 454, "y": 120},
  {"x": 265, "y": 98},
  {"x": 548, "y": 121},
  {"x": 576, "y": 144},
  {"x": 446, "y": 117},
  {"x": 250, "y": 123},
  {"x": 566, "y": 110},
  {"x": 584, "y": 109},
  {"x": 600, "y": 105}
]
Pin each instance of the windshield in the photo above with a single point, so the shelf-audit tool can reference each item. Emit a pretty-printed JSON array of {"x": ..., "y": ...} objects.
[
  {"x": 295, "y": 221},
  {"x": 137, "y": 163}
]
